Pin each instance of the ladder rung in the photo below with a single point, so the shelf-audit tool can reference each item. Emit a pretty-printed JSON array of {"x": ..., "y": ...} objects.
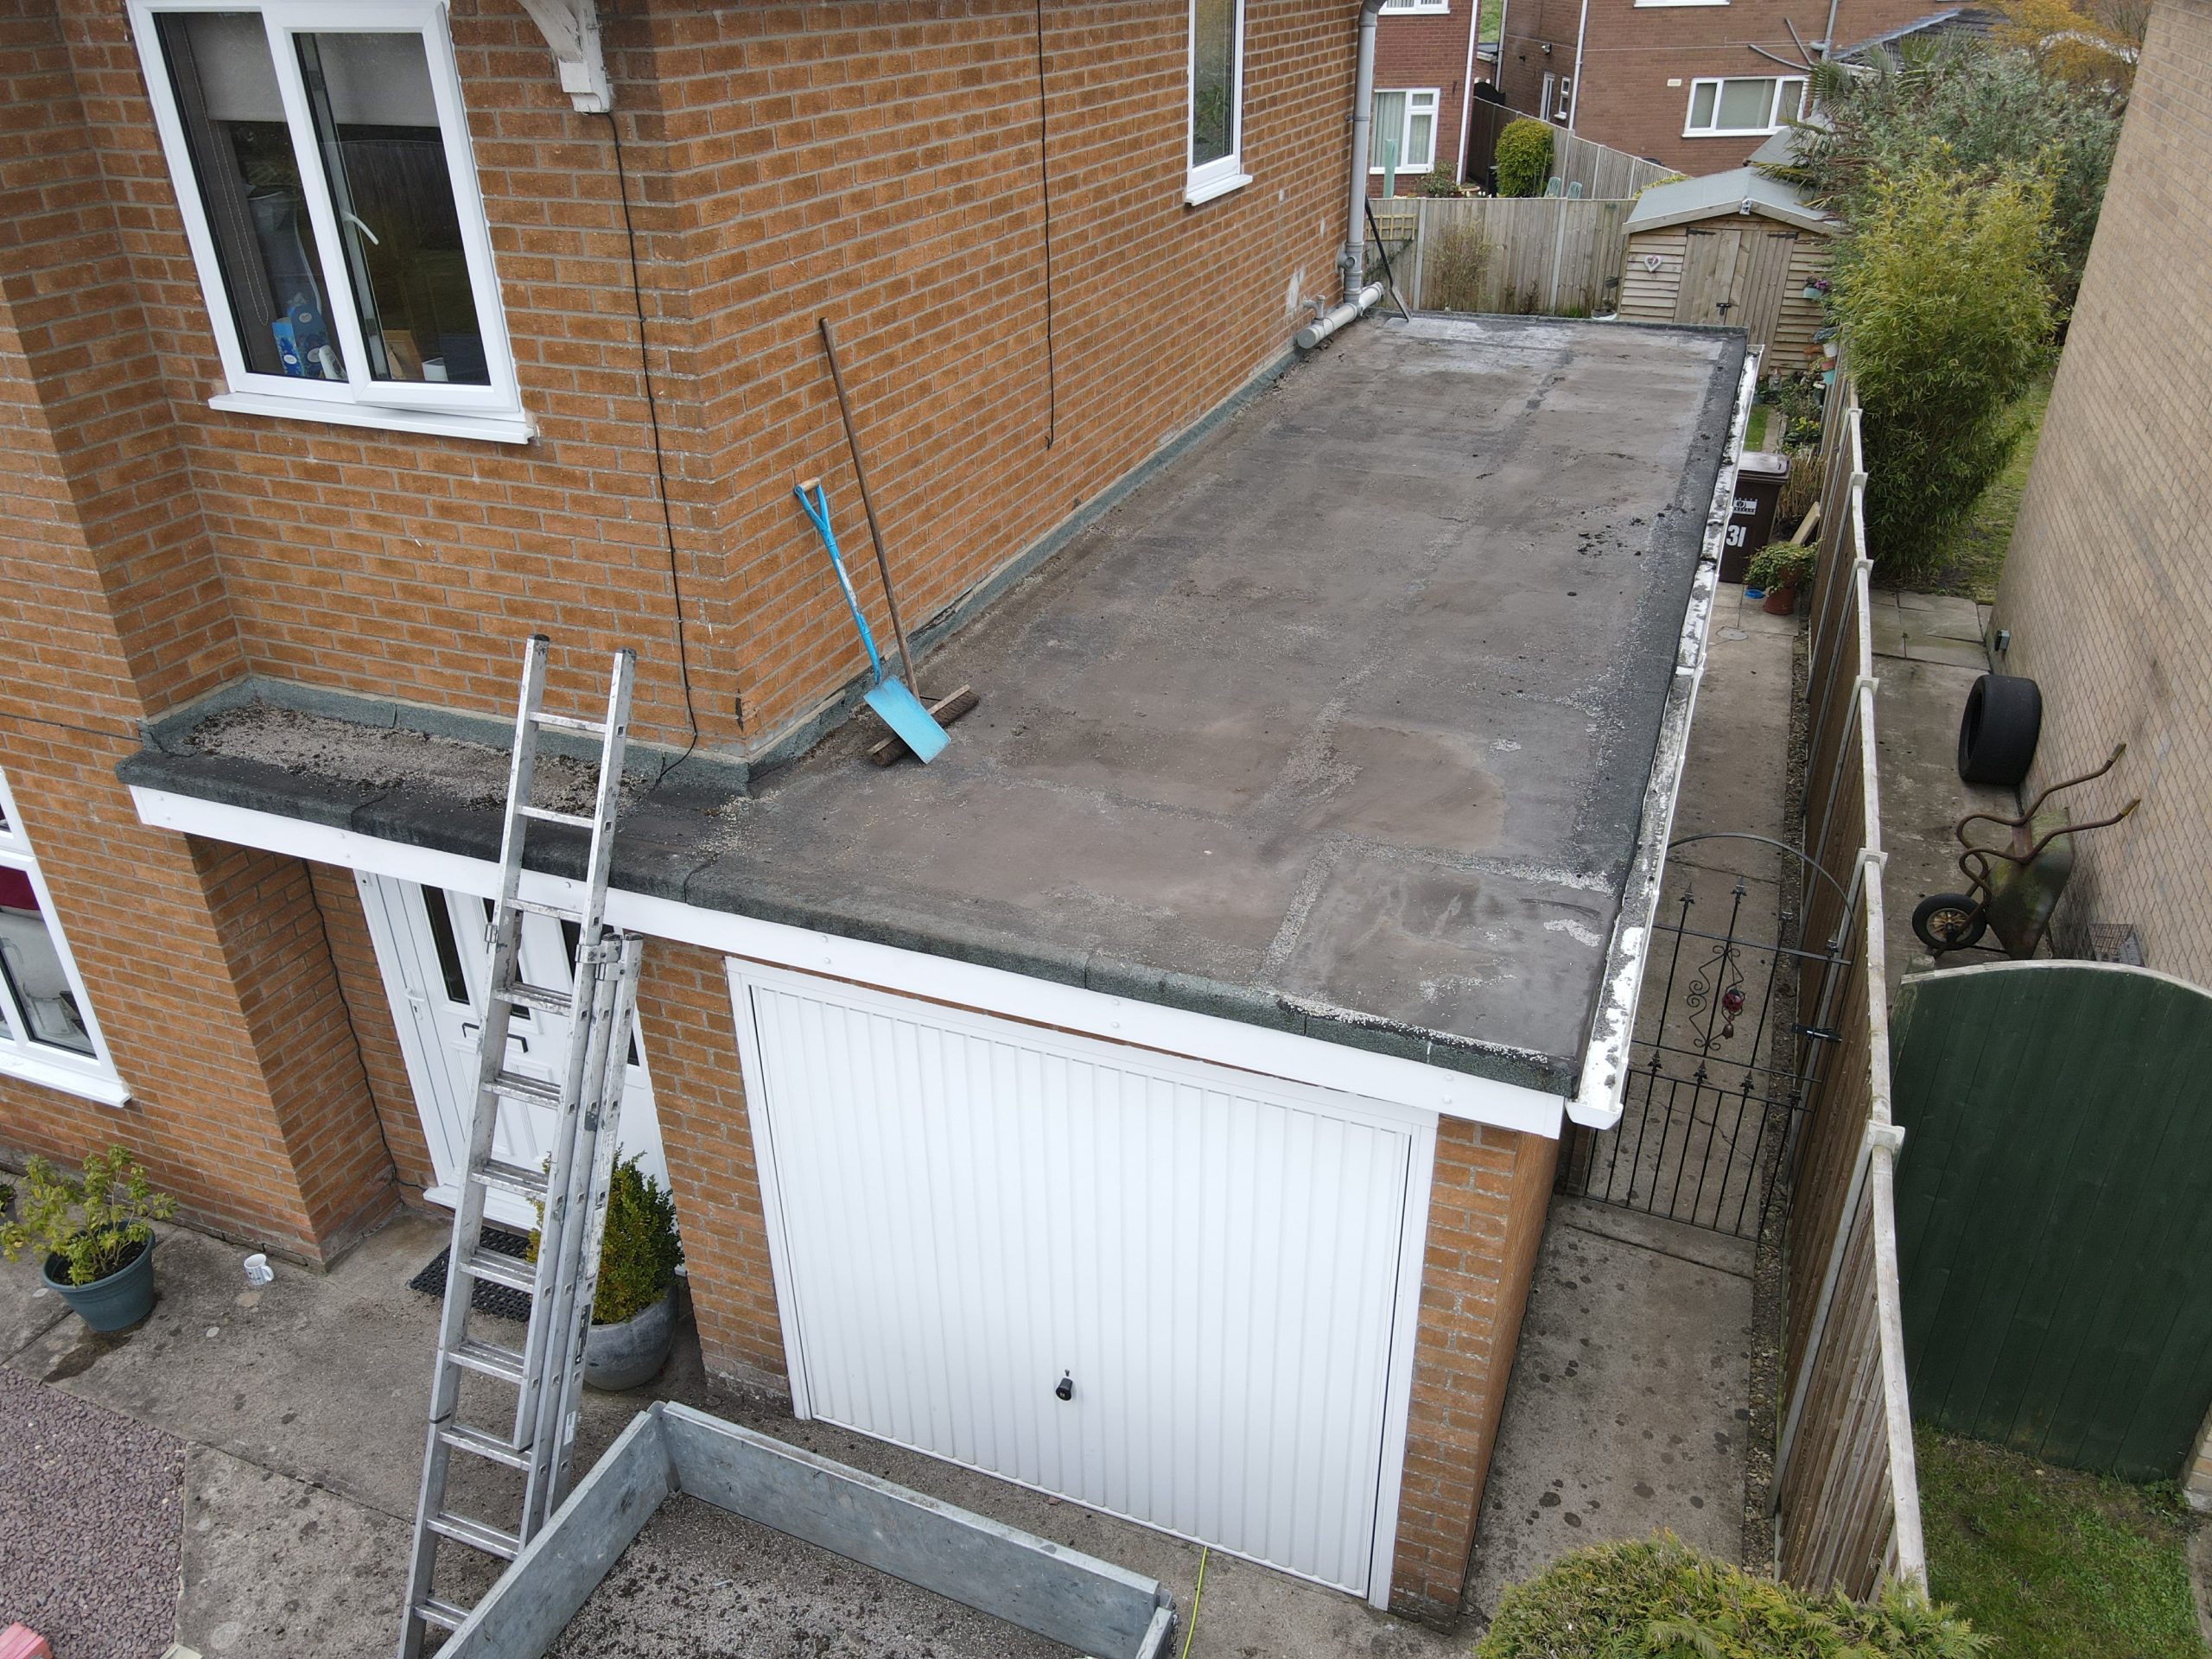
[
  {"x": 506, "y": 1270},
  {"x": 513, "y": 1178},
  {"x": 569, "y": 723},
  {"x": 539, "y": 996},
  {"x": 477, "y": 1534},
  {"x": 444, "y": 1614},
  {"x": 532, "y": 1090},
  {"x": 551, "y": 815},
  {"x": 487, "y": 1359},
  {"x": 477, "y": 1443},
  {"x": 558, "y": 912}
]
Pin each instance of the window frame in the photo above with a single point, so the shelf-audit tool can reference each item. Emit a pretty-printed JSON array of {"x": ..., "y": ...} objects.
[
  {"x": 94, "y": 1076},
  {"x": 1774, "y": 105},
  {"x": 1435, "y": 97},
  {"x": 1202, "y": 184},
  {"x": 491, "y": 411}
]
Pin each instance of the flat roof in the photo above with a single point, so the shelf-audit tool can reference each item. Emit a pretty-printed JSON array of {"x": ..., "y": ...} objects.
[{"x": 1340, "y": 722}]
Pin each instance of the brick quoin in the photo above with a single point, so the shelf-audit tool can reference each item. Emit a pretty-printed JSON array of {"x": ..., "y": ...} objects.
[{"x": 875, "y": 163}]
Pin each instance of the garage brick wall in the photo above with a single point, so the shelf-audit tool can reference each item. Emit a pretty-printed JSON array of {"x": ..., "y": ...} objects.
[
  {"x": 1428, "y": 52},
  {"x": 2104, "y": 589}
]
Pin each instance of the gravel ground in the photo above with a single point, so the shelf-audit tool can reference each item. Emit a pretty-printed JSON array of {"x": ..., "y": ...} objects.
[
  {"x": 91, "y": 1505},
  {"x": 702, "y": 1583}
]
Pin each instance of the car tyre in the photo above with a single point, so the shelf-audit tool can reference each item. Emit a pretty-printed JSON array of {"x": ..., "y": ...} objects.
[{"x": 1999, "y": 729}]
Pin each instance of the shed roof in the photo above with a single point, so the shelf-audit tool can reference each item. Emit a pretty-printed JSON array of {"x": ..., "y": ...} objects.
[
  {"x": 1340, "y": 723},
  {"x": 1739, "y": 190}
]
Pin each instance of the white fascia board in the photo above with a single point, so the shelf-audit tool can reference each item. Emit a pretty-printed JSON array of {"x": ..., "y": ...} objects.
[
  {"x": 994, "y": 990},
  {"x": 1600, "y": 1094}
]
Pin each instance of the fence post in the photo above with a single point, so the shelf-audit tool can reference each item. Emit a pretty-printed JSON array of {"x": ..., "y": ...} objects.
[
  {"x": 1559, "y": 247},
  {"x": 1417, "y": 299}
]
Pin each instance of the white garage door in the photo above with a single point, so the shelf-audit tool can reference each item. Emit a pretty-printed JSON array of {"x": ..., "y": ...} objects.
[{"x": 971, "y": 1217}]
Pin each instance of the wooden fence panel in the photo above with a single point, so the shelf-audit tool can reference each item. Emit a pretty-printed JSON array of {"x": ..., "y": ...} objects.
[
  {"x": 1549, "y": 256},
  {"x": 1603, "y": 173}
]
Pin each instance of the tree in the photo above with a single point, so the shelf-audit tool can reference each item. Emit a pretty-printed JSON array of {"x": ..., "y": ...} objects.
[
  {"x": 1996, "y": 110},
  {"x": 1525, "y": 157},
  {"x": 2092, "y": 43},
  {"x": 1941, "y": 295}
]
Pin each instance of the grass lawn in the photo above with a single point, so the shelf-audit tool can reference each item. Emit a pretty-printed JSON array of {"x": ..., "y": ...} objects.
[
  {"x": 1755, "y": 425},
  {"x": 1980, "y": 554},
  {"x": 2054, "y": 1563},
  {"x": 1492, "y": 17}
]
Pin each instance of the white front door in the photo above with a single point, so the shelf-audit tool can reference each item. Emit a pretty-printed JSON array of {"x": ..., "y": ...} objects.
[
  {"x": 432, "y": 947},
  {"x": 1179, "y": 1293}
]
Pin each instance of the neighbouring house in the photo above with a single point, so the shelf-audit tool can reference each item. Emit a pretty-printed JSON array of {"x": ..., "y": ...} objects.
[
  {"x": 1197, "y": 1031},
  {"x": 1697, "y": 85},
  {"x": 1736, "y": 250},
  {"x": 2103, "y": 600},
  {"x": 1424, "y": 78}
]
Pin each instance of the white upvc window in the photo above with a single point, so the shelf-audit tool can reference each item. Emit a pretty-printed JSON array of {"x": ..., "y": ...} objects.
[
  {"x": 321, "y": 161},
  {"x": 1217, "y": 104},
  {"x": 1743, "y": 106},
  {"x": 48, "y": 1033},
  {"x": 1405, "y": 117}
]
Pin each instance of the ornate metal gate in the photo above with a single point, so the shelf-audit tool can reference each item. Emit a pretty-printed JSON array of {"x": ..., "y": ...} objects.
[{"x": 1729, "y": 1041}]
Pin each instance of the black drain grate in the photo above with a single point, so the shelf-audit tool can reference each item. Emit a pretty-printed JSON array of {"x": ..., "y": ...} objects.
[{"x": 501, "y": 1301}]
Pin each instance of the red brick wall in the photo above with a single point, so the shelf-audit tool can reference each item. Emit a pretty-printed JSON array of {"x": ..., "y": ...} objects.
[
  {"x": 1491, "y": 1191},
  {"x": 1631, "y": 53},
  {"x": 1429, "y": 52}
]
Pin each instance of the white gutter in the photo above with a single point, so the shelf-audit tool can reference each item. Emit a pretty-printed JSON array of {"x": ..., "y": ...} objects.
[
  {"x": 1467, "y": 84},
  {"x": 1574, "y": 92},
  {"x": 1598, "y": 1098},
  {"x": 1352, "y": 261}
]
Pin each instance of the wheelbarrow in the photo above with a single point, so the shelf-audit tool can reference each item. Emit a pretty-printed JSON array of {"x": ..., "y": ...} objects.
[{"x": 2011, "y": 889}]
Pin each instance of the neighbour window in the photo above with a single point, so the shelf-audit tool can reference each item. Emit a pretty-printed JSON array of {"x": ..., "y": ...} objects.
[
  {"x": 1732, "y": 107},
  {"x": 1406, "y": 119},
  {"x": 1217, "y": 98},
  {"x": 47, "y": 1030},
  {"x": 323, "y": 168}
]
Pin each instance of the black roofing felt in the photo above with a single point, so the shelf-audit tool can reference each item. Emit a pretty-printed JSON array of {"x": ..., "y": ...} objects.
[{"x": 1339, "y": 724}]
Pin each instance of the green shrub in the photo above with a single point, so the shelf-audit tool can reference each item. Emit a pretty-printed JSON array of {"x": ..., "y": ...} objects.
[
  {"x": 1801, "y": 488},
  {"x": 1524, "y": 157},
  {"x": 1454, "y": 268},
  {"x": 96, "y": 1225},
  {"x": 638, "y": 1249},
  {"x": 1658, "y": 1599},
  {"x": 1438, "y": 182},
  {"x": 1948, "y": 318},
  {"x": 1779, "y": 564}
]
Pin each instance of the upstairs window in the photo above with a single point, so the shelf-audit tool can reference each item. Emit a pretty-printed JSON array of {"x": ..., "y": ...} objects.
[
  {"x": 1406, "y": 120},
  {"x": 1743, "y": 107},
  {"x": 322, "y": 165},
  {"x": 1217, "y": 100},
  {"x": 48, "y": 1033}
]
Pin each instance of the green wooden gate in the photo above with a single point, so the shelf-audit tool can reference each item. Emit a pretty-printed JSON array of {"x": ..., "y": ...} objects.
[{"x": 2054, "y": 1209}]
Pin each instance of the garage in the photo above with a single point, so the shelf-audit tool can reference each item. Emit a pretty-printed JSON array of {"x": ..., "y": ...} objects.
[{"x": 1177, "y": 1292}]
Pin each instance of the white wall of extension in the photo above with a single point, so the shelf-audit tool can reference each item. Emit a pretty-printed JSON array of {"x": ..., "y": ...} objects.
[{"x": 964, "y": 1213}]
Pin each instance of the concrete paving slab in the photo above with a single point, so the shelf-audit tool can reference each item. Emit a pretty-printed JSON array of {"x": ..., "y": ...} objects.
[
  {"x": 1626, "y": 1411},
  {"x": 28, "y": 1309}
]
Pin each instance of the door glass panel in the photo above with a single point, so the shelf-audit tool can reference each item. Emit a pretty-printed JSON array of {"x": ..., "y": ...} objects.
[
  {"x": 1745, "y": 103},
  {"x": 439, "y": 913},
  {"x": 377, "y": 121},
  {"x": 36, "y": 979},
  {"x": 1701, "y": 104},
  {"x": 1213, "y": 80},
  {"x": 249, "y": 176},
  {"x": 1387, "y": 129}
]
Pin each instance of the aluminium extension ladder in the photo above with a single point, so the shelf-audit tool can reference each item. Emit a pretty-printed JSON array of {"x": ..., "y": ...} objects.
[{"x": 546, "y": 1374}]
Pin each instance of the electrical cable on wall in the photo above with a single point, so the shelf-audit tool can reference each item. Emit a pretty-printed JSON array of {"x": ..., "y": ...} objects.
[
  {"x": 660, "y": 464},
  {"x": 1045, "y": 189}
]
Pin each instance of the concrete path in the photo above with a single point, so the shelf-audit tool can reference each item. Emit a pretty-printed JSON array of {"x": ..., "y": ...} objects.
[{"x": 302, "y": 1410}]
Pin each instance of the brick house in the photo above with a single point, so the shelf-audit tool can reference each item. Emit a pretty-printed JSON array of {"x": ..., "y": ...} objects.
[
  {"x": 1425, "y": 72},
  {"x": 1695, "y": 84},
  {"x": 346, "y": 342}
]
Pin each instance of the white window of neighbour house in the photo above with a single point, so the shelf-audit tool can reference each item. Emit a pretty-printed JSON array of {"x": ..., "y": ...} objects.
[
  {"x": 1217, "y": 100},
  {"x": 48, "y": 1033},
  {"x": 1743, "y": 106},
  {"x": 1407, "y": 119},
  {"x": 322, "y": 164}
]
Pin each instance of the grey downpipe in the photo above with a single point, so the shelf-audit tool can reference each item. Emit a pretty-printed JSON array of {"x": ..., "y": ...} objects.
[{"x": 1352, "y": 263}]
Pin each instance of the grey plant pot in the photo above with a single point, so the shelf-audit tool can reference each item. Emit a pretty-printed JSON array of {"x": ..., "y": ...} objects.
[
  {"x": 115, "y": 1303},
  {"x": 630, "y": 1354}
]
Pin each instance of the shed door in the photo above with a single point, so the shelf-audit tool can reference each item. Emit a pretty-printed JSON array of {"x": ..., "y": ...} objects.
[
  {"x": 967, "y": 1214},
  {"x": 1707, "y": 295},
  {"x": 1761, "y": 268}
]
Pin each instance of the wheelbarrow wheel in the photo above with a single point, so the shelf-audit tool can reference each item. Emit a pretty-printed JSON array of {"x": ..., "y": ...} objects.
[{"x": 1949, "y": 921}]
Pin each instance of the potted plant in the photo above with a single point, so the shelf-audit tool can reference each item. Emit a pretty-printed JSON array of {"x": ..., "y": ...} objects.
[
  {"x": 95, "y": 1232},
  {"x": 1780, "y": 568},
  {"x": 633, "y": 1311}
]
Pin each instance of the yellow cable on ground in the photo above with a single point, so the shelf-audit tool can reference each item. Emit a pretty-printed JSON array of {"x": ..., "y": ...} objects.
[{"x": 1197, "y": 1596}]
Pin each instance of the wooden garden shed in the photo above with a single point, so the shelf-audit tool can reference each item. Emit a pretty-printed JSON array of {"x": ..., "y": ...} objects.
[{"x": 1736, "y": 249}]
